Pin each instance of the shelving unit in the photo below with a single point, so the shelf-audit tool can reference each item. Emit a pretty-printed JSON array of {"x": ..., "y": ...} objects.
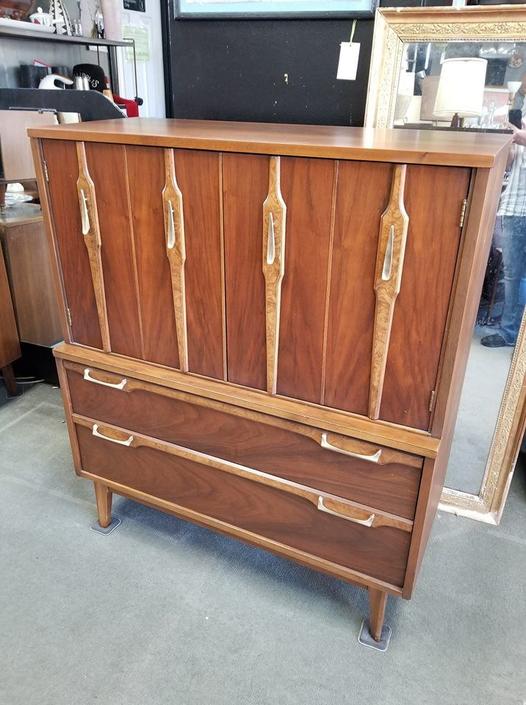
[
  {"x": 19, "y": 33},
  {"x": 22, "y": 33}
]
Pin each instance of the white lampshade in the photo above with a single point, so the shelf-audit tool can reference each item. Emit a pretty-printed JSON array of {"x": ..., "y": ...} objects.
[{"x": 461, "y": 88}]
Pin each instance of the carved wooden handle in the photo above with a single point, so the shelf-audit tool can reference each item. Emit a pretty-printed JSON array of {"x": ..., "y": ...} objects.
[
  {"x": 388, "y": 258},
  {"x": 116, "y": 385},
  {"x": 363, "y": 522},
  {"x": 271, "y": 240},
  {"x": 392, "y": 239},
  {"x": 170, "y": 244},
  {"x": 84, "y": 212},
  {"x": 95, "y": 431},
  {"x": 273, "y": 255},
  {"x": 374, "y": 458}
]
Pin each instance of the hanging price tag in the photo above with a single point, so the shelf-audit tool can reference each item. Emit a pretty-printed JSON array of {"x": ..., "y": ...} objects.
[
  {"x": 348, "y": 63},
  {"x": 349, "y": 54}
]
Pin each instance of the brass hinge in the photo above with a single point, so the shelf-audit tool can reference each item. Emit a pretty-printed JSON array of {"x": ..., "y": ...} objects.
[
  {"x": 463, "y": 212},
  {"x": 68, "y": 314},
  {"x": 46, "y": 172},
  {"x": 432, "y": 400}
]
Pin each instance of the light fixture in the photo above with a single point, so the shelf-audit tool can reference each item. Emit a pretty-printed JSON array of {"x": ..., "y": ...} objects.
[{"x": 460, "y": 90}]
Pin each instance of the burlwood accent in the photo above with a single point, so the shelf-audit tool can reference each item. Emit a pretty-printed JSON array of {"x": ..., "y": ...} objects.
[
  {"x": 274, "y": 221},
  {"x": 388, "y": 278},
  {"x": 323, "y": 501},
  {"x": 176, "y": 252},
  {"x": 91, "y": 233}
]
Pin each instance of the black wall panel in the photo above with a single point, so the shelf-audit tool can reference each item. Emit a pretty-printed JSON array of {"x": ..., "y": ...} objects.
[{"x": 266, "y": 70}]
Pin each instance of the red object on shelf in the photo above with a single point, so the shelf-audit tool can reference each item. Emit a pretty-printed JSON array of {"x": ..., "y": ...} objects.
[{"x": 132, "y": 109}]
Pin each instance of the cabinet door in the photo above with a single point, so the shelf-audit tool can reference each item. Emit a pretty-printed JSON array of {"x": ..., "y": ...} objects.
[
  {"x": 106, "y": 165},
  {"x": 198, "y": 176},
  {"x": 277, "y": 231},
  {"x": 433, "y": 197},
  {"x": 361, "y": 197},
  {"x": 341, "y": 232},
  {"x": 383, "y": 355},
  {"x": 245, "y": 187},
  {"x": 308, "y": 189},
  {"x": 63, "y": 170}
]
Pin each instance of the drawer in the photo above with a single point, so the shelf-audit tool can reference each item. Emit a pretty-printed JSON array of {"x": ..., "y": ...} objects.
[
  {"x": 291, "y": 515},
  {"x": 379, "y": 477}
]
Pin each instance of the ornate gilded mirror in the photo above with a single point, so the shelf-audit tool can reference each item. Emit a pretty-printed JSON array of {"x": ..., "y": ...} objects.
[{"x": 449, "y": 68}]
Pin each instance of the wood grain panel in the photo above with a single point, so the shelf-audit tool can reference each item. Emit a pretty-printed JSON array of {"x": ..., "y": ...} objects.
[
  {"x": 391, "y": 485},
  {"x": 62, "y": 166},
  {"x": 328, "y": 141},
  {"x": 198, "y": 179},
  {"x": 118, "y": 260},
  {"x": 146, "y": 182},
  {"x": 361, "y": 197},
  {"x": 245, "y": 185},
  {"x": 307, "y": 188},
  {"x": 422, "y": 305},
  {"x": 380, "y": 552}
]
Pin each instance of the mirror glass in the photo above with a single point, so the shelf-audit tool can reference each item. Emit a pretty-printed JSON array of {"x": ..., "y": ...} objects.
[{"x": 478, "y": 86}]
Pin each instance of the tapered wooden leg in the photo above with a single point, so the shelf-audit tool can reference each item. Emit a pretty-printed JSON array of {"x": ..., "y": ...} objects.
[
  {"x": 103, "y": 495},
  {"x": 9, "y": 380},
  {"x": 377, "y": 602}
]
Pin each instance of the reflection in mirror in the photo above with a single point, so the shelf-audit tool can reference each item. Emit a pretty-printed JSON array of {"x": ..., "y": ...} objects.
[
  {"x": 481, "y": 86},
  {"x": 498, "y": 322},
  {"x": 460, "y": 84}
]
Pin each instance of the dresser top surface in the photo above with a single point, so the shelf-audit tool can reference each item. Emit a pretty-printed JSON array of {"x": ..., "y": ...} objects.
[{"x": 409, "y": 146}]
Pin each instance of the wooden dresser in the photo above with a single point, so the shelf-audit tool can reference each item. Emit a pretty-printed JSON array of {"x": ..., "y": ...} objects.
[{"x": 267, "y": 326}]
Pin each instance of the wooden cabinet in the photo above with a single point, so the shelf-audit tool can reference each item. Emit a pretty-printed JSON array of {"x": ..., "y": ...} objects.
[
  {"x": 23, "y": 239},
  {"x": 268, "y": 326}
]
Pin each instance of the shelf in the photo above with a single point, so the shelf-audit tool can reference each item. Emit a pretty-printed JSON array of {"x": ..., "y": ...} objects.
[{"x": 36, "y": 35}]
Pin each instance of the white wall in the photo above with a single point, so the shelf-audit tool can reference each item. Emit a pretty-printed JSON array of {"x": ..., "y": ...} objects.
[{"x": 150, "y": 76}]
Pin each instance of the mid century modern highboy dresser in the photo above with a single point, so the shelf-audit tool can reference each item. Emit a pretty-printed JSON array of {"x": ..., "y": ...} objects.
[{"x": 266, "y": 326}]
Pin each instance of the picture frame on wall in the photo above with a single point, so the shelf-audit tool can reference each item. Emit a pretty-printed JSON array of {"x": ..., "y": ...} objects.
[{"x": 279, "y": 9}]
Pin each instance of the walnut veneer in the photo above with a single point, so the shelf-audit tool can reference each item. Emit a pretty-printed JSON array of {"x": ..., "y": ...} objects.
[{"x": 267, "y": 326}]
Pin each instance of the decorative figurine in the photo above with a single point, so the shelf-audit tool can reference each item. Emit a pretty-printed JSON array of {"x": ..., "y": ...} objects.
[{"x": 60, "y": 17}]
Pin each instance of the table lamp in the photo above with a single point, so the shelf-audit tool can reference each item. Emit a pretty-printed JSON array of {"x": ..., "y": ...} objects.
[{"x": 460, "y": 89}]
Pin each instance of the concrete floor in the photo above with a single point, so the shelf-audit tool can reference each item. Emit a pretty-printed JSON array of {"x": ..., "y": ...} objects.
[{"x": 163, "y": 612}]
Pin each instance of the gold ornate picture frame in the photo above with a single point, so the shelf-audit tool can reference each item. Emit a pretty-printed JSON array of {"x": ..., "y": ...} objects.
[{"x": 393, "y": 28}]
